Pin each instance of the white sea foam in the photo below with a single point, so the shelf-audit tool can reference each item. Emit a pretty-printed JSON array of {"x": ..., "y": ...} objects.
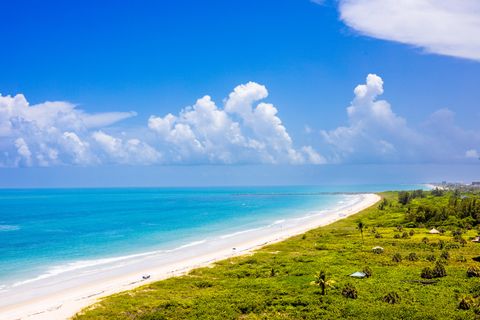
[
  {"x": 84, "y": 264},
  {"x": 191, "y": 244},
  {"x": 81, "y": 264},
  {"x": 226, "y": 236}
]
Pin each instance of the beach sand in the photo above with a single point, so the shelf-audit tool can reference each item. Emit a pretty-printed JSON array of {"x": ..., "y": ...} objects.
[{"x": 63, "y": 296}]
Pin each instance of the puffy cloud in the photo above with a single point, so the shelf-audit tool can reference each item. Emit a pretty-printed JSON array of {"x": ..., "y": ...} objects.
[
  {"x": 58, "y": 133},
  {"x": 376, "y": 134},
  {"x": 242, "y": 132},
  {"x": 447, "y": 27},
  {"x": 374, "y": 129},
  {"x": 313, "y": 156},
  {"x": 23, "y": 151},
  {"x": 129, "y": 151},
  {"x": 49, "y": 133}
]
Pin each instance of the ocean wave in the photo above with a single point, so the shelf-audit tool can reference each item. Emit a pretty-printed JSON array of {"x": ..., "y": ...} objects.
[
  {"x": 83, "y": 264},
  {"x": 191, "y": 244},
  {"x": 226, "y": 236},
  {"x": 7, "y": 227}
]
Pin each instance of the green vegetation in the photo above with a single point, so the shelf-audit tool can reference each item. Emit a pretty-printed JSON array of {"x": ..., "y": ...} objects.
[{"x": 434, "y": 276}]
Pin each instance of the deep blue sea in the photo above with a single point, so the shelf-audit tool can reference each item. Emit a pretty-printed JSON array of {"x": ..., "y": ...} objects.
[{"x": 45, "y": 228}]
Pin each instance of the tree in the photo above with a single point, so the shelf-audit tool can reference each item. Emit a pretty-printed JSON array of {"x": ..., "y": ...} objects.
[
  {"x": 361, "y": 226},
  {"x": 403, "y": 197},
  {"x": 322, "y": 282}
]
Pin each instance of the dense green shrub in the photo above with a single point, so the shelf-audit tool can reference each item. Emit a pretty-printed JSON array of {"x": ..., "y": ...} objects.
[
  {"x": 397, "y": 257},
  {"x": 425, "y": 240},
  {"x": 473, "y": 271},
  {"x": 203, "y": 284},
  {"x": 427, "y": 273},
  {"x": 368, "y": 271},
  {"x": 349, "y": 291},
  {"x": 452, "y": 245},
  {"x": 466, "y": 303},
  {"x": 391, "y": 297},
  {"x": 445, "y": 255},
  {"x": 441, "y": 244},
  {"x": 412, "y": 256},
  {"x": 439, "y": 270},
  {"x": 430, "y": 258}
]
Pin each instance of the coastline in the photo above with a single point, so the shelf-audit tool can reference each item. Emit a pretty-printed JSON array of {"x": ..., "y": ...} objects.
[{"x": 64, "y": 304}]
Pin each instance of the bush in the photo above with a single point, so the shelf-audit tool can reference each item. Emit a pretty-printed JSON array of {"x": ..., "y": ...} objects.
[
  {"x": 368, "y": 272},
  {"x": 430, "y": 258},
  {"x": 405, "y": 235},
  {"x": 466, "y": 303},
  {"x": 391, "y": 297},
  {"x": 445, "y": 255},
  {"x": 452, "y": 246},
  {"x": 273, "y": 272},
  {"x": 439, "y": 270},
  {"x": 412, "y": 257},
  {"x": 383, "y": 204},
  {"x": 203, "y": 284},
  {"x": 427, "y": 273},
  {"x": 411, "y": 233},
  {"x": 397, "y": 236},
  {"x": 473, "y": 271},
  {"x": 457, "y": 233},
  {"x": 397, "y": 257},
  {"x": 441, "y": 244},
  {"x": 475, "y": 291},
  {"x": 349, "y": 291},
  {"x": 425, "y": 240},
  {"x": 378, "y": 235}
]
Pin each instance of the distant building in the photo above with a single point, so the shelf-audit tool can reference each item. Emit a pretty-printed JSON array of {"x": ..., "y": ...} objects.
[{"x": 476, "y": 183}]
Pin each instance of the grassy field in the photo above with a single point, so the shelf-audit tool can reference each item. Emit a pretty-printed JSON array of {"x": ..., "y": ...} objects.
[{"x": 277, "y": 282}]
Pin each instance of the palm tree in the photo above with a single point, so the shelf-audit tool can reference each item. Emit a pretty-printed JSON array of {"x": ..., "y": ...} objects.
[
  {"x": 361, "y": 226},
  {"x": 322, "y": 282}
]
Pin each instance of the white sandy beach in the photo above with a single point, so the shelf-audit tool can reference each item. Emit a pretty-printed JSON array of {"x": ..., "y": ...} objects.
[{"x": 63, "y": 296}]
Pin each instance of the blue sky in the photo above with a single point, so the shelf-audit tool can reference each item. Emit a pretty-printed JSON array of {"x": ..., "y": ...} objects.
[{"x": 115, "y": 69}]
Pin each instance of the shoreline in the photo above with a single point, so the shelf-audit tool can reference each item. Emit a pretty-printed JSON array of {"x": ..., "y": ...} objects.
[{"x": 64, "y": 304}]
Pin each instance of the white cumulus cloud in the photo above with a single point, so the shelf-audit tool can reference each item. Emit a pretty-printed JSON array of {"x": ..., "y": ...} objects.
[
  {"x": 375, "y": 133},
  {"x": 244, "y": 131},
  {"x": 446, "y": 27},
  {"x": 49, "y": 133}
]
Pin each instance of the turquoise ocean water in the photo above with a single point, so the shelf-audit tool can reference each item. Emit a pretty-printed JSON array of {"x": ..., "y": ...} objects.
[{"x": 41, "y": 229}]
